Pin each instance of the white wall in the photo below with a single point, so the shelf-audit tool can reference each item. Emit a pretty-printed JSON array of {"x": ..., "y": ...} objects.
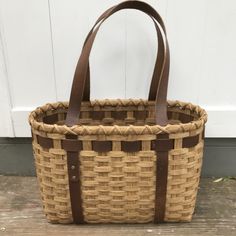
[{"x": 40, "y": 42}]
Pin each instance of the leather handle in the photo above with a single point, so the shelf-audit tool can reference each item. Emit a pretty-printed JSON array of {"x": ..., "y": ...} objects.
[
  {"x": 81, "y": 69},
  {"x": 157, "y": 67}
]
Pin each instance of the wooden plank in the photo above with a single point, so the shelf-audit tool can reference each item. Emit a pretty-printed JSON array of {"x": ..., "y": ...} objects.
[
  {"x": 217, "y": 79},
  {"x": 221, "y": 121},
  {"x": 28, "y": 51},
  {"x": 28, "y": 55},
  {"x": 219, "y": 55},
  {"x": 6, "y": 128},
  {"x": 185, "y": 27},
  {"x": 21, "y": 213},
  {"x": 20, "y": 117}
]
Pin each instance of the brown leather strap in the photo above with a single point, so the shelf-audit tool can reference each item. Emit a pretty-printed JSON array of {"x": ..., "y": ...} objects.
[
  {"x": 80, "y": 73},
  {"x": 161, "y": 99},
  {"x": 161, "y": 185},
  {"x": 73, "y": 148},
  {"x": 162, "y": 145},
  {"x": 157, "y": 67}
]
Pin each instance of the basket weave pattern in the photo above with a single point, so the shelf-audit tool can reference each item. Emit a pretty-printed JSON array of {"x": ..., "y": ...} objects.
[{"x": 118, "y": 186}]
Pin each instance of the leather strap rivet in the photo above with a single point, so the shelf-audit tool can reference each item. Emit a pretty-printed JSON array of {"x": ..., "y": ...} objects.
[
  {"x": 72, "y": 167},
  {"x": 73, "y": 177}
]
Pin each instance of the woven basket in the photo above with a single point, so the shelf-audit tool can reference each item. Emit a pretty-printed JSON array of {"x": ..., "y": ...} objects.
[{"x": 119, "y": 161}]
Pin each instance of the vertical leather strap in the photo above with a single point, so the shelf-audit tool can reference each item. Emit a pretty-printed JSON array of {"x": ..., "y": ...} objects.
[
  {"x": 162, "y": 145},
  {"x": 161, "y": 183},
  {"x": 73, "y": 166}
]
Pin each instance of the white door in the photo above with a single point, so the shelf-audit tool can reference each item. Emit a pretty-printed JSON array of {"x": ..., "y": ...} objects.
[{"x": 41, "y": 40}]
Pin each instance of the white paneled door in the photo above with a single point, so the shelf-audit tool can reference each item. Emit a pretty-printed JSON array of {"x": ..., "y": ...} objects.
[{"x": 40, "y": 42}]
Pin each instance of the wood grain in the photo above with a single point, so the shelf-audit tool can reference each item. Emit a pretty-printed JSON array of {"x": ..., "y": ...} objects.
[{"x": 21, "y": 213}]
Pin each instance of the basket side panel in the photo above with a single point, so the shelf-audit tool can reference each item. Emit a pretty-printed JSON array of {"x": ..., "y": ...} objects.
[
  {"x": 51, "y": 169},
  {"x": 117, "y": 186},
  {"x": 184, "y": 171}
]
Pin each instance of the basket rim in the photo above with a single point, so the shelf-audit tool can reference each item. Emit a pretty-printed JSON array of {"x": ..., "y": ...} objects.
[{"x": 117, "y": 129}]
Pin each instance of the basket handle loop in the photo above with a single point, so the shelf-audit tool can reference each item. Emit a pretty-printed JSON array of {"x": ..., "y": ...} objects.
[
  {"x": 158, "y": 63},
  {"x": 82, "y": 66}
]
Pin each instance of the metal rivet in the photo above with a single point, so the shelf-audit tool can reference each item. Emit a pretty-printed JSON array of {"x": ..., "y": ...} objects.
[
  {"x": 73, "y": 177},
  {"x": 72, "y": 167}
]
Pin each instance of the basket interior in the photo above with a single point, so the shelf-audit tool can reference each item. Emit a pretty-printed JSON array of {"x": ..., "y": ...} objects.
[{"x": 118, "y": 115}]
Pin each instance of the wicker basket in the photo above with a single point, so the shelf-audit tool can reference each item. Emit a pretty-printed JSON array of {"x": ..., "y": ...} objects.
[{"x": 122, "y": 161}]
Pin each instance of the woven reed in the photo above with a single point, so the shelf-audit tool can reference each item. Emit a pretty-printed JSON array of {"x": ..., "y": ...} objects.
[{"x": 118, "y": 186}]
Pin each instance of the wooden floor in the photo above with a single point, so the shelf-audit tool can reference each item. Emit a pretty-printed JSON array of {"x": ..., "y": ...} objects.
[{"x": 21, "y": 213}]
